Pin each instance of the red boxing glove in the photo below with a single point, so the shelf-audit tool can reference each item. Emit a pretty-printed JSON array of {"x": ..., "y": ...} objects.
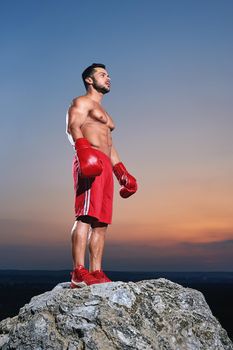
[
  {"x": 90, "y": 164},
  {"x": 128, "y": 182}
]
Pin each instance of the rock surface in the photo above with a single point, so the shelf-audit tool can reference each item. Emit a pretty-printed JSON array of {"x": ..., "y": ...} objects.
[{"x": 150, "y": 314}]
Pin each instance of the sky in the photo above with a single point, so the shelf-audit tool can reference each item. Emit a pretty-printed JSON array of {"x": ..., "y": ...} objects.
[{"x": 171, "y": 99}]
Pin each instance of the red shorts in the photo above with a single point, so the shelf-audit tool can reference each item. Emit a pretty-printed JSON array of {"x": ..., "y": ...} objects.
[{"x": 94, "y": 196}]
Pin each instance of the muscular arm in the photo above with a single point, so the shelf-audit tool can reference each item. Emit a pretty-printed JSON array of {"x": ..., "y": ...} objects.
[
  {"x": 76, "y": 116},
  {"x": 114, "y": 156},
  {"x": 89, "y": 164}
]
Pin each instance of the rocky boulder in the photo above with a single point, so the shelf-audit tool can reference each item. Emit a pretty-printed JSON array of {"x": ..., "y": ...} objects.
[{"x": 147, "y": 315}]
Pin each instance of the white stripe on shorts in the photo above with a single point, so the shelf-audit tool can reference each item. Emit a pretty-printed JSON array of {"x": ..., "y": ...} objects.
[
  {"x": 87, "y": 197},
  {"x": 87, "y": 191}
]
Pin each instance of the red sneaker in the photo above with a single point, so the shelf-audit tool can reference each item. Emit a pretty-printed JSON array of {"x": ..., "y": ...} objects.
[
  {"x": 100, "y": 275},
  {"x": 82, "y": 277}
]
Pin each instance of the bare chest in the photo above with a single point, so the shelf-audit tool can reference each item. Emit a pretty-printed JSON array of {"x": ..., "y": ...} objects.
[{"x": 100, "y": 116}]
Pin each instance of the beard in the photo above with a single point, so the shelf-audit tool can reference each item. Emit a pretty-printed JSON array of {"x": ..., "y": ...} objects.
[{"x": 100, "y": 88}]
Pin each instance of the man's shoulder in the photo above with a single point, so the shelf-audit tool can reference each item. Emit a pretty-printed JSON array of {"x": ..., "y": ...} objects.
[{"x": 81, "y": 101}]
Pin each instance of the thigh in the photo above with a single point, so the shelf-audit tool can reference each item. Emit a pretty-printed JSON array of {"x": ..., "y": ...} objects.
[
  {"x": 96, "y": 224},
  {"x": 87, "y": 219},
  {"x": 80, "y": 228}
]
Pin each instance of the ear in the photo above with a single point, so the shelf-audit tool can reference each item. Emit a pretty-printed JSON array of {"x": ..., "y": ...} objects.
[{"x": 88, "y": 80}]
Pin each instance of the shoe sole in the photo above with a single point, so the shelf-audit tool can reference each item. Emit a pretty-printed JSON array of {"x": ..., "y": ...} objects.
[{"x": 75, "y": 284}]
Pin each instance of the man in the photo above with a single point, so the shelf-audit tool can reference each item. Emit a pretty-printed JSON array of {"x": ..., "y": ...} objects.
[{"x": 89, "y": 129}]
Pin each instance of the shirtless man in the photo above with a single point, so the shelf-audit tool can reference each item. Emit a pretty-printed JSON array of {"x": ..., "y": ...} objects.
[{"x": 95, "y": 160}]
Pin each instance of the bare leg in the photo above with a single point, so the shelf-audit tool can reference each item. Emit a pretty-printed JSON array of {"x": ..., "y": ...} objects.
[
  {"x": 96, "y": 245},
  {"x": 79, "y": 241}
]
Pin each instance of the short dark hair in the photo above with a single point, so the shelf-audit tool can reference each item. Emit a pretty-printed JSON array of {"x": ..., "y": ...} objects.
[{"x": 89, "y": 71}]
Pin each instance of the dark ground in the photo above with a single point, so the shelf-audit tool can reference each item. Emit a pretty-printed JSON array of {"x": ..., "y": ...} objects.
[{"x": 17, "y": 287}]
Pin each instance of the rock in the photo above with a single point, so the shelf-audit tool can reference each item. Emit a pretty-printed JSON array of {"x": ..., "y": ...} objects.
[{"x": 147, "y": 315}]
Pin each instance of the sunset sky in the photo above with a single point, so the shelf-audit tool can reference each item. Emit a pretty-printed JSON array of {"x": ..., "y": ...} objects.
[{"x": 171, "y": 98}]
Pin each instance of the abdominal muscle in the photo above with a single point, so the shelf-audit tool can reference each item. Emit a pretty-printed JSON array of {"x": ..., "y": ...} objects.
[{"x": 99, "y": 136}]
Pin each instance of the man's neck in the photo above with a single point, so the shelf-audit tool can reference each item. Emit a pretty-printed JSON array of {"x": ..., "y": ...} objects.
[{"x": 95, "y": 96}]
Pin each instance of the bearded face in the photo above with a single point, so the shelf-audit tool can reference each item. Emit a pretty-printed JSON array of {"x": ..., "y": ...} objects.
[
  {"x": 100, "y": 86},
  {"x": 101, "y": 81}
]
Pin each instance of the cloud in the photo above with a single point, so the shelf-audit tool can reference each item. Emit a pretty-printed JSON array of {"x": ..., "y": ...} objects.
[
  {"x": 211, "y": 246},
  {"x": 176, "y": 256},
  {"x": 36, "y": 245}
]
